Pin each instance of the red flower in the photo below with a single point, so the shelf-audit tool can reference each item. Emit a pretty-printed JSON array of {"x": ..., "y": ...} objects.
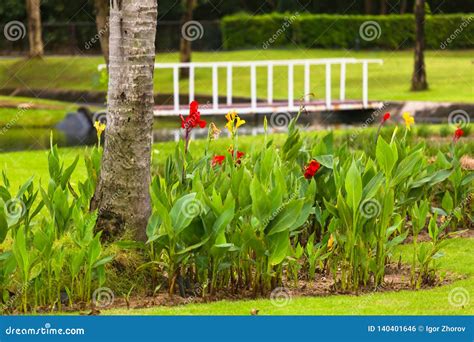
[
  {"x": 217, "y": 160},
  {"x": 193, "y": 120},
  {"x": 386, "y": 117},
  {"x": 311, "y": 169},
  {"x": 239, "y": 155},
  {"x": 458, "y": 134}
]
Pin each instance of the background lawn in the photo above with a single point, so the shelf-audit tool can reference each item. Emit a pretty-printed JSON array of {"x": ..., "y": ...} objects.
[{"x": 450, "y": 74}]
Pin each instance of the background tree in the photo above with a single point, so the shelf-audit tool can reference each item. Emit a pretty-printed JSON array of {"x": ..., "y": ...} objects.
[
  {"x": 419, "y": 73},
  {"x": 368, "y": 6},
  {"x": 122, "y": 195},
  {"x": 102, "y": 23},
  {"x": 185, "y": 42},
  {"x": 34, "y": 28}
]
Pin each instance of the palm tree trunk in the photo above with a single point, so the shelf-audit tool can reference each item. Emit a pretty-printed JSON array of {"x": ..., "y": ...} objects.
[
  {"x": 122, "y": 196},
  {"x": 34, "y": 28},
  {"x": 102, "y": 23},
  {"x": 185, "y": 44},
  {"x": 419, "y": 73}
]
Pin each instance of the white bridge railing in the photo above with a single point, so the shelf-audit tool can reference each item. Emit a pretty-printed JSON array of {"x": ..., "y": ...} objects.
[{"x": 269, "y": 105}]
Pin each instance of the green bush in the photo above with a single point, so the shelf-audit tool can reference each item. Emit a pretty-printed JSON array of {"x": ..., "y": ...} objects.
[{"x": 343, "y": 31}]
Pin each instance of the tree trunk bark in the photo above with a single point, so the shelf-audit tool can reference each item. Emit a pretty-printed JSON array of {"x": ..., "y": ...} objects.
[
  {"x": 122, "y": 196},
  {"x": 369, "y": 6},
  {"x": 34, "y": 28},
  {"x": 102, "y": 23},
  {"x": 383, "y": 7},
  {"x": 403, "y": 6},
  {"x": 185, "y": 44},
  {"x": 419, "y": 73}
]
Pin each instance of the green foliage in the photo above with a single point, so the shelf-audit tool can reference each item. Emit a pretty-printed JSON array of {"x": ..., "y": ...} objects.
[
  {"x": 310, "y": 31},
  {"x": 52, "y": 261}
]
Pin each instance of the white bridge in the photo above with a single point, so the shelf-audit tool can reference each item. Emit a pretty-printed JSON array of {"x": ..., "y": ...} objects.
[{"x": 267, "y": 104}]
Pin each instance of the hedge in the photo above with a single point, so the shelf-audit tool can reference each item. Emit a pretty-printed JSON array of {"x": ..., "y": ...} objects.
[{"x": 452, "y": 31}]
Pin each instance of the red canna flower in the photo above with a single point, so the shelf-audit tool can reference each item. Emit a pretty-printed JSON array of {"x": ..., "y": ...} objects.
[
  {"x": 311, "y": 169},
  {"x": 193, "y": 120},
  {"x": 386, "y": 117},
  {"x": 217, "y": 160},
  {"x": 239, "y": 155},
  {"x": 458, "y": 134}
]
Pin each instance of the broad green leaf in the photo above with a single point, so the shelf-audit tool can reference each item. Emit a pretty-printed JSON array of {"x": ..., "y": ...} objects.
[{"x": 353, "y": 185}]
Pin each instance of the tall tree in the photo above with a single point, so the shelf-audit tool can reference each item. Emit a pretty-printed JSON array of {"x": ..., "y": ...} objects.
[
  {"x": 368, "y": 6},
  {"x": 419, "y": 73},
  {"x": 34, "y": 28},
  {"x": 185, "y": 43},
  {"x": 102, "y": 23},
  {"x": 403, "y": 6},
  {"x": 383, "y": 7},
  {"x": 122, "y": 196}
]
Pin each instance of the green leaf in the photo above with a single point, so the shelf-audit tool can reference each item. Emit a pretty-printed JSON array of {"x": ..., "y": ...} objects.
[
  {"x": 286, "y": 217},
  {"x": 386, "y": 156},
  {"x": 3, "y": 228},
  {"x": 353, "y": 185},
  {"x": 447, "y": 202},
  {"x": 184, "y": 211},
  {"x": 279, "y": 247}
]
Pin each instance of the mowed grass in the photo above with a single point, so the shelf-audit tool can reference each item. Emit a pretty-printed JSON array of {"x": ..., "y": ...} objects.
[
  {"x": 458, "y": 259},
  {"x": 450, "y": 74}
]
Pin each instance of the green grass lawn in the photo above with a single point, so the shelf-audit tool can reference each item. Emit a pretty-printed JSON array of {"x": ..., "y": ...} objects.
[
  {"x": 458, "y": 259},
  {"x": 450, "y": 74}
]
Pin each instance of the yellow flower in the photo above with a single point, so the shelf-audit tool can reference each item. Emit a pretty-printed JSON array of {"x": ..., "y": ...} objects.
[
  {"x": 409, "y": 120},
  {"x": 100, "y": 128},
  {"x": 233, "y": 122},
  {"x": 330, "y": 242}
]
